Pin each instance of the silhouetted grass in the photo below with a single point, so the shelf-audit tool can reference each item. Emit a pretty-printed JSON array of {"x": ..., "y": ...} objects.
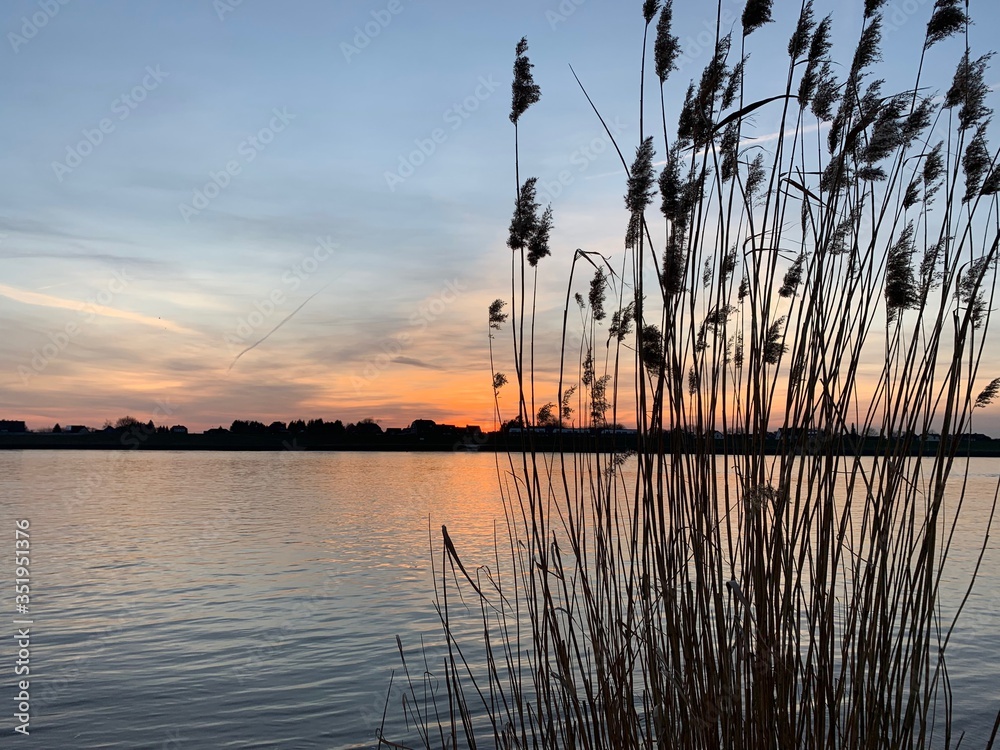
[{"x": 834, "y": 281}]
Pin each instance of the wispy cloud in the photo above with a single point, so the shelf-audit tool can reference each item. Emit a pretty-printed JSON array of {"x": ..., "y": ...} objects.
[
  {"x": 85, "y": 256},
  {"x": 47, "y": 300},
  {"x": 750, "y": 140},
  {"x": 414, "y": 363}
]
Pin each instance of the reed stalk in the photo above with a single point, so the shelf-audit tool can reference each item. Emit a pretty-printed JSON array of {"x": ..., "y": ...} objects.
[{"x": 798, "y": 342}]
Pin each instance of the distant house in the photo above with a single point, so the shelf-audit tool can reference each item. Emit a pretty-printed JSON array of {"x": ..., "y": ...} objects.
[
  {"x": 77, "y": 429},
  {"x": 429, "y": 428},
  {"x": 179, "y": 429},
  {"x": 422, "y": 426},
  {"x": 12, "y": 425},
  {"x": 217, "y": 431}
]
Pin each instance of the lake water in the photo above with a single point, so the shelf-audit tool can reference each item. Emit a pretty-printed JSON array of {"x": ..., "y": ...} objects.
[{"x": 229, "y": 600}]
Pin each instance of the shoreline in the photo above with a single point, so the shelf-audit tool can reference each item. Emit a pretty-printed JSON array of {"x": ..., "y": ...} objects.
[{"x": 485, "y": 443}]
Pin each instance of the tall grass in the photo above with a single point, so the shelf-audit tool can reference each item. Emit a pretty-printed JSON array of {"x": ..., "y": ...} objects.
[{"x": 728, "y": 587}]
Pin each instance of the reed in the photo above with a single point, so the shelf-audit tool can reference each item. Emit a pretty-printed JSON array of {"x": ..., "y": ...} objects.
[{"x": 721, "y": 586}]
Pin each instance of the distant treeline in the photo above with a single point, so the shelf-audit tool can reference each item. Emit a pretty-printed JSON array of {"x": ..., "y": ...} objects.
[
  {"x": 302, "y": 427},
  {"x": 425, "y": 434}
]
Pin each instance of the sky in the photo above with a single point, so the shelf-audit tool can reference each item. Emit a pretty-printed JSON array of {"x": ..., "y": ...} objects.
[{"x": 183, "y": 178}]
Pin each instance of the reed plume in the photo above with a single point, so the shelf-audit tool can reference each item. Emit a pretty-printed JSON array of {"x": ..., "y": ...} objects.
[{"x": 797, "y": 338}]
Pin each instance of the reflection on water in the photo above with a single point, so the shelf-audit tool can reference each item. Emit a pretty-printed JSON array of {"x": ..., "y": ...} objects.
[{"x": 252, "y": 599}]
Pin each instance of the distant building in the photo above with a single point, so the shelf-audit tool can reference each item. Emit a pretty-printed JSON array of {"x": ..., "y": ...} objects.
[
  {"x": 422, "y": 426},
  {"x": 431, "y": 428},
  {"x": 77, "y": 429},
  {"x": 179, "y": 429},
  {"x": 12, "y": 425}
]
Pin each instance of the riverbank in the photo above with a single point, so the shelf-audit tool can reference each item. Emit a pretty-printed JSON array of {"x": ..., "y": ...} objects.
[{"x": 495, "y": 441}]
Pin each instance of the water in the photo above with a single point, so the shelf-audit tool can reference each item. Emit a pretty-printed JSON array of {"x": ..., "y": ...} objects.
[{"x": 252, "y": 600}]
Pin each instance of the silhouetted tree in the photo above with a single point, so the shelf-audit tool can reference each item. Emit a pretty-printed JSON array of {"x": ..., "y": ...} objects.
[
  {"x": 515, "y": 422},
  {"x": 243, "y": 427},
  {"x": 366, "y": 427},
  {"x": 546, "y": 416}
]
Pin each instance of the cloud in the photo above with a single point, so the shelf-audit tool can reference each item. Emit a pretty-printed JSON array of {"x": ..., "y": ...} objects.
[
  {"x": 414, "y": 363},
  {"x": 746, "y": 140},
  {"x": 46, "y": 300},
  {"x": 94, "y": 257}
]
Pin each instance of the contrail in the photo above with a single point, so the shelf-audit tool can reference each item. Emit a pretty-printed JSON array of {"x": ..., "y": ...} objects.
[{"x": 268, "y": 334}]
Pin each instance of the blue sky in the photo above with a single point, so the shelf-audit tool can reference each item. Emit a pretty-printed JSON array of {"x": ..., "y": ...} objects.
[{"x": 179, "y": 177}]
